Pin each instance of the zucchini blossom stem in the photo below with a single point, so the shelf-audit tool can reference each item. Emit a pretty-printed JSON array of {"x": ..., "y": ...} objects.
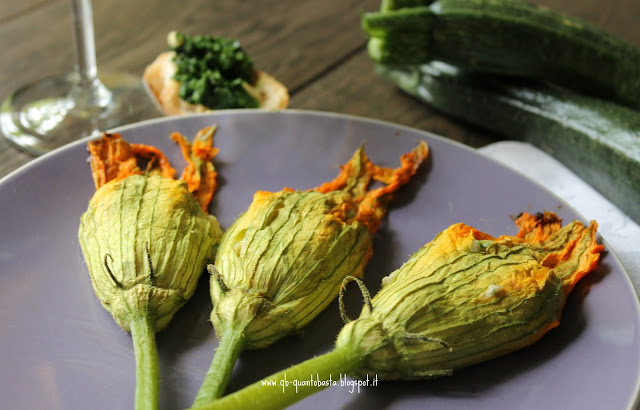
[
  {"x": 224, "y": 359},
  {"x": 147, "y": 366},
  {"x": 278, "y": 390}
]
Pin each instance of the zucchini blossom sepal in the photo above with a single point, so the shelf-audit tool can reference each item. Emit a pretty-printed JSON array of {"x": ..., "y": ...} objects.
[
  {"x": 463, "y": 298},
  {"x": 147, "y": 237},
  {"x": 282, "y": 262}
]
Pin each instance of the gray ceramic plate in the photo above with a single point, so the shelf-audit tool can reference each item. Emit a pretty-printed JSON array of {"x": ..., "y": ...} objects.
[{"x": 60, "y": 350}]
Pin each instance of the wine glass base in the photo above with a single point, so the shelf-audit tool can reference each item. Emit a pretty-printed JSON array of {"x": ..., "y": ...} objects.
[{"x": 43, "y": 116}]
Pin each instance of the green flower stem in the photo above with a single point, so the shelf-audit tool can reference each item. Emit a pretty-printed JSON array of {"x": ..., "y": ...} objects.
[
  {"x": 219, "y": 373},
  {"x": 147, "y": 365},
  {"x": 274, "y": 393}
]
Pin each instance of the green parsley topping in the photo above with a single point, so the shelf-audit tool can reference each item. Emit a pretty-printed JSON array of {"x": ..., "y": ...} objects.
[{"x": 213, "y": 71}]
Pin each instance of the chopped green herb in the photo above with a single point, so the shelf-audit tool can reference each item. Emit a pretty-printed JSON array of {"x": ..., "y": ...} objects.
[{"x": 212, "y": 71}]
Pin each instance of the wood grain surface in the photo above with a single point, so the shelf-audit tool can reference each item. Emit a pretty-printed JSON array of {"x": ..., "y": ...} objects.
[{"x": 315, "y": 47}]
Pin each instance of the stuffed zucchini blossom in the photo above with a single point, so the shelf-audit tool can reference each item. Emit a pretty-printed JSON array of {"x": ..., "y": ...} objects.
[
  {"x": 467, "y": 297},
  {"x": 282, "y": 262},
  {"x": 147, "y": 237}
]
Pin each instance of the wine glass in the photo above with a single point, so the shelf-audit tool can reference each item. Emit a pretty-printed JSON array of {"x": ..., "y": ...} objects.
[{"x": 46, "y": 114}]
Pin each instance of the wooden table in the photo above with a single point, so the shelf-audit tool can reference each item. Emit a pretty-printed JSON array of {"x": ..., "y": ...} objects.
[{"x": 315, "y": 47}]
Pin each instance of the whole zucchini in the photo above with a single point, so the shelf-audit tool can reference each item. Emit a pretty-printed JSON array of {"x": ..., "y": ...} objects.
[
  {"x": 507, "y": 37},
  {"x": 598, "y": 140}
]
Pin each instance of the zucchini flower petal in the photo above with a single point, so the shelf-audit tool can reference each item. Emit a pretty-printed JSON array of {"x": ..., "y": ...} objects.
[
  {"x": 146, "y": 237},
  {"x": 467, "y": 297},
  {"x": 282, "y": 262}
]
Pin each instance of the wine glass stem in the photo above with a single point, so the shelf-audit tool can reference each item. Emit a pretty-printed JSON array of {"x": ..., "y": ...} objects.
[
  {"x": 84, "y": 40},
  {"x": 89, "y": 92}
]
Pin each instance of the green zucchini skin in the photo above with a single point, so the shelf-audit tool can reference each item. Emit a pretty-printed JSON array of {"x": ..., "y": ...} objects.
[
  {"x": 598, "y": 140},
  {"x": 508, "y": 37},
  {"x": 400, "y": 4}
]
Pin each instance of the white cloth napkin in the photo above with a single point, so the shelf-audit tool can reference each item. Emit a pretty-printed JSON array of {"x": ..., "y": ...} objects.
[{"x": 621, "y": 233}]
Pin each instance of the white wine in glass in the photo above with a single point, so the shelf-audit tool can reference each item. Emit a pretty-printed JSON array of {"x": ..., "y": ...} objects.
[{"x": 46, "y": 114}]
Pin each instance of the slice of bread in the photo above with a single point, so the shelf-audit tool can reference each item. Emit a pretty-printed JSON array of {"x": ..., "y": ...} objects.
[{"x": 159, "y": 82}]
